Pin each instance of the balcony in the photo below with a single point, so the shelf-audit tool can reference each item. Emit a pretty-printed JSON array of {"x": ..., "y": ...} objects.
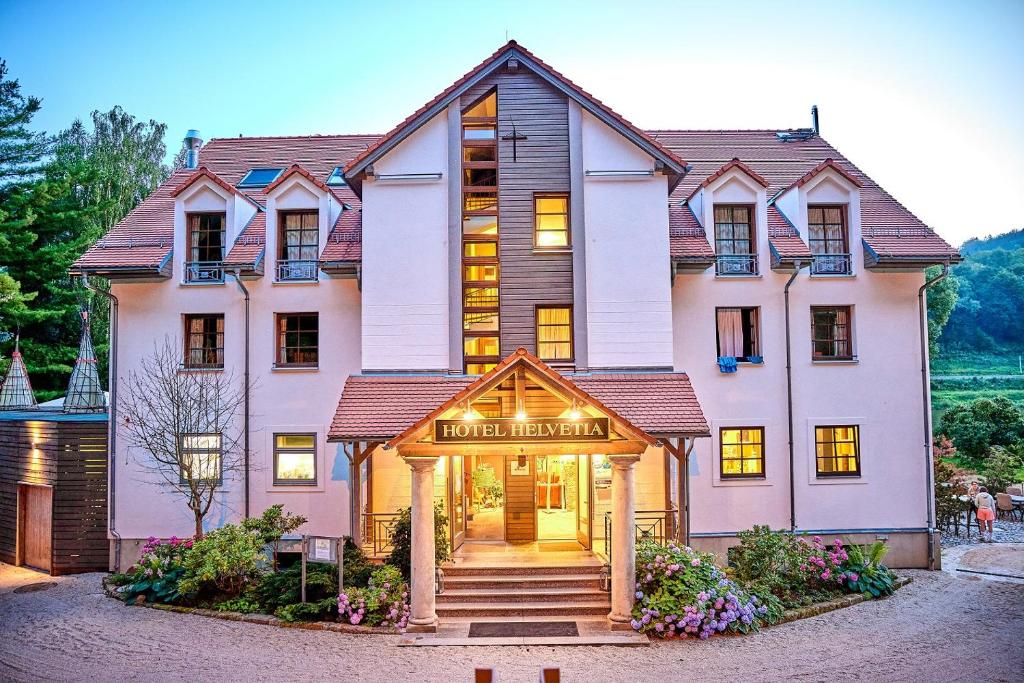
[
  {"x": 728, "y": 265},
  {"x": 831, "y": 264},
  {"x": 297, "y": 271},
  {"x": 204, "y": 271}
]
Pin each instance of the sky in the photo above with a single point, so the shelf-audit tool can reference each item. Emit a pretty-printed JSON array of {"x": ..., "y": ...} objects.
[{"x": 925, "y": 97}]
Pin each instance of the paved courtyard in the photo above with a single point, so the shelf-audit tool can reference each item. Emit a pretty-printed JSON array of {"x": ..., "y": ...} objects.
[{"x": 942, "y": 627}]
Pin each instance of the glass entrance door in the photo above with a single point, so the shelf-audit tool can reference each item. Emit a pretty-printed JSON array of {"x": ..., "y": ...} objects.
[
  {"x": 485, "y": 497},
  {"x": 457, "y": 504},
  {"x": 583, "y": 509},
  {"x": 557, "y": 497}
]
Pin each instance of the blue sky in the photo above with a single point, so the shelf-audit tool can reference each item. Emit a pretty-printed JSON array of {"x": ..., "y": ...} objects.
[{"x": 928, "y": 98}]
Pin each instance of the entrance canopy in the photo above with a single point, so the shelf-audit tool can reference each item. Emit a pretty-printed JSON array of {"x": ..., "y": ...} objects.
[{"x": 522, "y": 406}]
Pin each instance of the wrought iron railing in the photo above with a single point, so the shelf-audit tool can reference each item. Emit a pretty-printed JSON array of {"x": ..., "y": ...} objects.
[
  {"x": 651, "y": 525},
  {"x": 296, "y": 270},
  {"x": 736, "y": 264},
  {"x": 204, "y": 271},
  {"x": 379, "y": 531},
  {"x": 831, "y": 264}
]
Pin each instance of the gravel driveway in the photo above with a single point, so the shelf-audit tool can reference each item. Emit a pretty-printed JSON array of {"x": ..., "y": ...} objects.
[{"x": 939, "y": 628}]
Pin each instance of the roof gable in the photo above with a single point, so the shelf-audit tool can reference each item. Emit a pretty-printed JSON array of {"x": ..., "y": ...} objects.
[
  {"x": 512, "y": 50},
  {"x": 296, "y": 169},
  {"x": 729, "y": 166}
]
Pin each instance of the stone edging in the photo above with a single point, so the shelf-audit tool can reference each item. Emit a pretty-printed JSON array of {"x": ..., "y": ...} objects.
[
  {"x": 337, "y": 627},
  {"x": 832, "y": 605}
]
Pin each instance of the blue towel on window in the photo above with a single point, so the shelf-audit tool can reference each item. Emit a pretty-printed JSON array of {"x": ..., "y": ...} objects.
[
  {"x": 727, "y": 363},
  {"x": 756, "y": 360}
]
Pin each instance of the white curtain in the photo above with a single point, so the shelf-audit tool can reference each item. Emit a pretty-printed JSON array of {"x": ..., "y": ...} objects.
[{"x": 730, "y": 332}]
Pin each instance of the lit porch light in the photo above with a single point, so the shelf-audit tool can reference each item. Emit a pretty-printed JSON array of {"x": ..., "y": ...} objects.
[{"x": 521, "y": 415}]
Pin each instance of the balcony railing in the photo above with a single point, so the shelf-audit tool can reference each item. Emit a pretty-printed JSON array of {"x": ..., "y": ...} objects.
[
  {"x": 204, "y": 271},
  {"x": 831, "y": 264},
  {"x": 736, "y": 264},
  {"x": 378, "y": 532},
  {"x": 296, "y": 270}
]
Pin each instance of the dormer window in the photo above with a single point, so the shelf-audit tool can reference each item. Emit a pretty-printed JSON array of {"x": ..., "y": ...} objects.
[
  {"x": 260, "y": 177},
  {"x": 299, "y": 246},
  {"x": 337, "y": 177},
  {"x": 205, "y": 248},
  {"x": 734, "y": 240},
  {"x": 828, "y": 239}
]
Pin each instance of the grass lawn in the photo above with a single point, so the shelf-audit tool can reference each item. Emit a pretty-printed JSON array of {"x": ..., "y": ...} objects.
[
  {"x": 948, "y": 393},
  {"x": 1004, "y": 363}
]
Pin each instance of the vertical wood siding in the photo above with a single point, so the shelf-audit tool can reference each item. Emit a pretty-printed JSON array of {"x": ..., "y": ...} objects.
[{"x": 527, "y": 278}]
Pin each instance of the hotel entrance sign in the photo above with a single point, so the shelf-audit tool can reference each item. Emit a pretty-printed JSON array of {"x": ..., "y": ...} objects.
[{"x": 528, "y": 430}]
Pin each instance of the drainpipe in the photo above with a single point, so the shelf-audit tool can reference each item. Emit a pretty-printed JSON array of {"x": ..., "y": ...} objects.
[
  {"x": 797, "y": 266},
  {"x": 245, "y": 418},
  {"x": 111, "y": 421},
  {"x": 927, "y": 412}
]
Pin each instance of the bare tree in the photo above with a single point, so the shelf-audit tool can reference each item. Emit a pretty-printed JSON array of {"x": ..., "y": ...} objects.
[{"x": 186, "y": 423}]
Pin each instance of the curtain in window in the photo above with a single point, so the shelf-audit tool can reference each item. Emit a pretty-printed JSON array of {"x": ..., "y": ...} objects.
[
  {"x": 195, "y": 343},
  {"x": 730, "y": 332},
  {"x": 839, "y": 327}
]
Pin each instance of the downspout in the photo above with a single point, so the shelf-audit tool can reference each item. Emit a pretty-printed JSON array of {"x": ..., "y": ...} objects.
[
  {"x": 797, "y": 266},
  {"x": 927, "y": 412},
  {"x": 245, "y": 418},
  {"x": 111, "y": 421}
]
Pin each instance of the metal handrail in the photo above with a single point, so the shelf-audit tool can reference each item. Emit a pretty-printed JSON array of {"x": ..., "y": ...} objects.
[
  {"x": 736, "y": 264},
  {"x": 295, "y": 270},
  {"x": 831, "y": 264},
  {"x": 651, "y": 525},
  {"x": 204, "y": 271},
  {"x": 379, "y": 531}
]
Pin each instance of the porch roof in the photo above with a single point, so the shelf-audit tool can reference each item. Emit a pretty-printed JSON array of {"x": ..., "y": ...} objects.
[{"x": 380, "y": 407}]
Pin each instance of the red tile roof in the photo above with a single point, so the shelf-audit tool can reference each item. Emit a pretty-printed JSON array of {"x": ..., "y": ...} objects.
[
  {"x": 199, "y": 174},
  {"x": 734, "y": 163},
  {"x": 292, "y": 170},
  {"x": 687, "y": 239},
  {"x": 827, "y": 164},
  {"x": 784, "y": 239},
  {"x": 888, "y": 227},
  {"x": 345, "y": 243},
  {"x": 505, "y": 51},
  {"x": 247, "y": 251}
]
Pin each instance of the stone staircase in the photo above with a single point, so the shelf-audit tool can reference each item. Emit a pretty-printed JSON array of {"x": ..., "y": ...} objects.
[{"x": 515, "y": 590}]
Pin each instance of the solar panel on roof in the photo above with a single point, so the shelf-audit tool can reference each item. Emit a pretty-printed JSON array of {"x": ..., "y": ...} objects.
[
  {"x": 260, "y": 177},
  {"x": 337, "y": 177}
]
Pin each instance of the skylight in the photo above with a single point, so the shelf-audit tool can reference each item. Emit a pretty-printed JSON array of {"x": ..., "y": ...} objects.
[
  {"x": 260, "y": 177},
  {"x": 337, "y": 177}
]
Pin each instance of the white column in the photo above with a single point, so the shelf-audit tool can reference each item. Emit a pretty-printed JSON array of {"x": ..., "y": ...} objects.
[
  {"x": 623, "y": 550},
  {"x": 423, "y": 616}
]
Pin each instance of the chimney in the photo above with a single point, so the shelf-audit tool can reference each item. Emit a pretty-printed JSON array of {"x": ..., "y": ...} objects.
[
  {"x": 192, "y": 142},
  {"x": 814, "y": 119}
]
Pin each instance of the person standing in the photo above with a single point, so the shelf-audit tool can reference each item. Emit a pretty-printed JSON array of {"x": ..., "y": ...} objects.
[{"x": 986, "y": 505}]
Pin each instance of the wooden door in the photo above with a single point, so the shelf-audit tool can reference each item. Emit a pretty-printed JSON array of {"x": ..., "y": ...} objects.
[
  {"x": 520, "y": 501},
  {"x": 36, "y": 508}
]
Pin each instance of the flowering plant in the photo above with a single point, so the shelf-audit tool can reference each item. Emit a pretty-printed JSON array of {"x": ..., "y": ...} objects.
[
  {"x": 681, "y": 593},
  {"x": 822, "y": 565},
  {"x": 157, "y": 573},
  {"x": 865, "y": 572},
  {"x": 385, "y": 602}
]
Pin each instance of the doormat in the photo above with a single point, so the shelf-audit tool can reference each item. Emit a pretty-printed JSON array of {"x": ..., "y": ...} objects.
[
  {"x": 522, "y": 629},
  {"x": 34, "y": 587}
]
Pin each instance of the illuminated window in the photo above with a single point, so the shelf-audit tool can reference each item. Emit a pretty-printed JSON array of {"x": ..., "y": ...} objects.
[
  {"x": 837, "y": 451},
  {"x": 551, "y": 226},
  {"x": 480, "y": 225},
  {"x": 742, "y": 452},
  {"x": 738, "y": 333},
  {"x": 487, "y": 249},
  {"x": 481, "y": 346},
  {"x": 480, "y": 322},
  {"x": 554, "y": 332},
  {"x": 295, "y": 459},
  {"x": 298, "y": 339},
  {"x": 200, "y": 458},
  {"x": 830, "y": 333},
  {"x": 479, "y": 368},
  {"x": 204, "y": 341},
  {"x": 485, "y": 273}
]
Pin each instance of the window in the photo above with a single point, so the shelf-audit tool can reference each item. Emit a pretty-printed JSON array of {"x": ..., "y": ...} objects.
[
  {"x": 837, "y": 451},
  {"x": 201, "y": 458},
  {"x": 295, "y": 459},
  {"x": 827, "y": 238},
  {"x": 830, "y": 333},
  {"x": 742, "y": 452},
  {"x": 738, "y": 334},
  {"x": 337, "y": 177},
  {"x": 551, "y": 221},
  {"x": 298, "y": 339},
  {"x": 554, "y": 332},
  {"x": 299, "y": 245},
  {"x": 204, "y": 341},
  {"x": 734, "y": 241},
  {"x": 260, "y": 177},
  {"x": 205, "y": 247}
]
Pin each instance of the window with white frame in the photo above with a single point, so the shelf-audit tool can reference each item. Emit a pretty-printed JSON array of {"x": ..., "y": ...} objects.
[{"x": 201, "y": 458}]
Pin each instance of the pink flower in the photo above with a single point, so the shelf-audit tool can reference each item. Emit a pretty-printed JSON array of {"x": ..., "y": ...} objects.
[{"x": 695, "y": 562}]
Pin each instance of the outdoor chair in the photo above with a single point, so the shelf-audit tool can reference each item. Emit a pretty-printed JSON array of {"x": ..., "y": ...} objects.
[
  {"x": 1014, "y": 491},
  {"x": 1004, "y": 506}
]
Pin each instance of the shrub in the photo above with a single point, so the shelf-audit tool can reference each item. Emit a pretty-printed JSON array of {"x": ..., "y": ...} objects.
[
  {"x": 401, "y": 539},
  {"x": 681, "y": 593},
  {"x": 158, "y": 572},
  {"x": 244, "y": 604},
  {"x": 385, "y": 602},
  {"x": 977, "y": 426},
  {"x": 1004, "y": 467},
  {"x": 320, "y": 610},
  {"x": 865, "y": 572}
]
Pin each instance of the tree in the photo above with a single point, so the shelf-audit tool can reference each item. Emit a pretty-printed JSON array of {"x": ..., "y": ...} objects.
[
  {"x": 977, "y": 426},
  {"x": 12, "y": 303},
  {"x": 942, "y": 298},
  {"x": 186, "y": 426},
  {"x": 1004, "y": 467},
  {"x": 21, "y": 150}
]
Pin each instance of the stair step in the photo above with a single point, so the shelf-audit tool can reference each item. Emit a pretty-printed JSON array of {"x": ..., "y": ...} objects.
[
  {"x": 522, "y": 570},
  {"x": 528, "y": 595},
  {"x": 515, "y": 609},
  {"x": 503, "y": 582}
]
